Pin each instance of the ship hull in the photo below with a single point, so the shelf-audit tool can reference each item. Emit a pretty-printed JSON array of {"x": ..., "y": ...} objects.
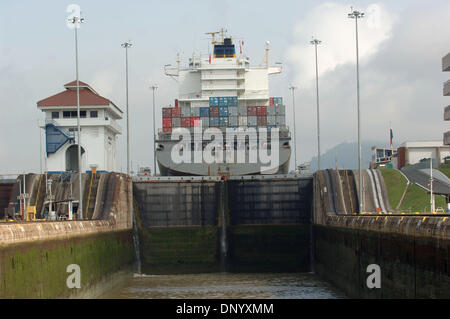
[{"x": 168, "y": 167}]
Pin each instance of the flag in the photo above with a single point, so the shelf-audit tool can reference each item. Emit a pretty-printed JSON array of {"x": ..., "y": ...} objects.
[
  {"x": 210, "y": 58},
  {"x": 391, "y": 136}
]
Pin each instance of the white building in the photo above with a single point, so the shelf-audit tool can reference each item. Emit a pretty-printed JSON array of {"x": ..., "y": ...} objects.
[
  {"x": 99, "y": 130},
  {"x": 410, "y": 153}
]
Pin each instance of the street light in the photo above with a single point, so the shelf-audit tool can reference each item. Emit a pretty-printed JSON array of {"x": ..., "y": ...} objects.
[
  {"x": 358, "y": 15},
  {"x": 316, "y": 42},
  {"x": 127, "y": 45},
  {"x": 154, "y": 88},
  {"x": 293, "y": 88},
  {"x": 77, "y": 21}
]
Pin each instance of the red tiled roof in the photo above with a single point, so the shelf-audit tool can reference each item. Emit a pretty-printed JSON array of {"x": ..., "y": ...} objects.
[{"x": 88, "y": 97}]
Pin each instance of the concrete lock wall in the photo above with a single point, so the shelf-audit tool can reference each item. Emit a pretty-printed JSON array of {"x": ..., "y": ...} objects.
[
  {"x": 413, "y": 253},
  {"x": 237, "y": 225},
  {"x": 34, "y": 256}
]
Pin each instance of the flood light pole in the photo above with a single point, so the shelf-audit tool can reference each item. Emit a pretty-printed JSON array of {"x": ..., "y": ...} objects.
[
  {"x": 316, "y": 42},
  {"x": 293, "y": 88},
  {"x": 358, "y": 15},
  {"x": 154, "y": 88},
  {"x": 77, "y": 21},
  {"x": 127, "y": 45}
]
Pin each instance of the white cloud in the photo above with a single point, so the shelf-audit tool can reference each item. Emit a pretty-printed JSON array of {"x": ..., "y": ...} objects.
[{"x": 329, "y": 23}]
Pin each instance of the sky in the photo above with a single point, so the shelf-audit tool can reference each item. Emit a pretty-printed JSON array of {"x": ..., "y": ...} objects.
[{"x": 401, "y": 45}]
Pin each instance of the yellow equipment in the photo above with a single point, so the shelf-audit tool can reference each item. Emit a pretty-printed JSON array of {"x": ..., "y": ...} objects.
[{"x": 31, "y": 213}]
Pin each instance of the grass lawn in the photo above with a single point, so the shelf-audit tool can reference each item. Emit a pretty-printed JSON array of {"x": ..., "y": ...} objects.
[
  {"x": 395, "y": 185},
  {"x": 417, "y": 199}
]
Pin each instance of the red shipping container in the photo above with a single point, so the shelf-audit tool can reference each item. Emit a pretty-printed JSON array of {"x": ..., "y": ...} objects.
[
  {"x": 167, "y": 122},
  {"x": 176, "y": 102},
  {"x": 251, "y": 111},
  {"x": 261, "y": 110},
  {"x": 214, "y": 111},
  {"x": 167, "y": 129},
  {"x": 262, "y": 120},
  {"x": 195, "y": 121},
  {"x": 167, "y": 112},
  {"x": 185, "y": 122},
  {"x": 176, "y": 112},
  {"x": 271, "y": 101}
]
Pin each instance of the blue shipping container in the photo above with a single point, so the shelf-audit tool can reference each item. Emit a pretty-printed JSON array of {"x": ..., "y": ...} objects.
[
  {"x": 223, "y": 121},
  {"x": 232, "y": 101},
  {"x": 204, "y": 112},
  {"x": 223, "y": 111},
  {"x": 223, "y": 101},
  {"x": 213, "y": 101},
  {"x": 213, "y": 121}
]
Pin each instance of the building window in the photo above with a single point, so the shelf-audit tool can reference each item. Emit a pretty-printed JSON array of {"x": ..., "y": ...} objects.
[
  {"x": 55, "y": 115},
  {"x": 83, "y": 114},
  {"x": 94, "y": 113},
  {"x": 66, "y": 114}
]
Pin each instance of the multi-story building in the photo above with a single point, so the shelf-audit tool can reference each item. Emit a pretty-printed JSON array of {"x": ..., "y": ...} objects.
[
  {"x": 98, "y": 125},
  {"x": 446, "y": 92}
]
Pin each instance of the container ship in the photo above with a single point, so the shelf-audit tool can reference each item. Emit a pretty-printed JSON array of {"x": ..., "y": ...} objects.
[{"x": 220, "y": 92}]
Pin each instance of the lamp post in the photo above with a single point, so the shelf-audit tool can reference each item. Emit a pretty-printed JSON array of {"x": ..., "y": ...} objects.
[
  {"x": 293, "y": 88},
  {"x": 316, "y": 42},
  {"x": 358, "y": 15},
  {"x": 154, "y": 88},
  {"x": 77, "y": 21},
  {"x": 127, "y": 45}
]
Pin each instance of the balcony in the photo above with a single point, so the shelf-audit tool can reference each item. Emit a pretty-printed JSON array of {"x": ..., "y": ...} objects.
[
  {"x": 446, "y": 63},
  {"x": 446, "y": 90},
  {"x": 447, "y": 113},
  {"x": 447, "y": 138}
]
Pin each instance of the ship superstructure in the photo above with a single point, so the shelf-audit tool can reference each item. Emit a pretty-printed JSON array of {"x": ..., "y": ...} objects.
[{"x": 222, "y": 91}]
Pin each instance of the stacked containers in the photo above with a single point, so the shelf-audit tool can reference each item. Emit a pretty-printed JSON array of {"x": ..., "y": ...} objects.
[
  {"x": 242, "y": 110},
  {"x": 280, "y": 110},
  {"x": 195, "y": 121},
  {"x": 213, "y": 101},
  {"x": 176, "y": 122},
  {"x": 167, "y": 119},
  {"x": 185, "y": 111},
  {"x": 176, "y": 112},
  {"x": 204, "y": 116},
  {"x": 195, "y": 112},
  {"x": 185, "y": 122},
  {"x": 214, "y": 111},
  {"x": 232, "y": 116},
  {"x": 214, "y": 121}
]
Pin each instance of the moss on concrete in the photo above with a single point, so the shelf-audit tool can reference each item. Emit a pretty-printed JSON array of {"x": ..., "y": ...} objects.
[
  {"x": 38, "y": 269},
  {"x": 179, "y": 249},
  {"x": 274, "y": 248}
]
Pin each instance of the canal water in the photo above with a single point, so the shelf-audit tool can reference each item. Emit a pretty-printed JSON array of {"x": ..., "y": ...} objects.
[{"x": 226, "y": 286}]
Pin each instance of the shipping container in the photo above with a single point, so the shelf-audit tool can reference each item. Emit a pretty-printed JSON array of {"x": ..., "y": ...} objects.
[
  {"x": 271, "y": 120},
  {"x": 185, "y": 111},
  {"x": 213, "y": 101},
  {"x": 242, "y": 120},
  {"x": 271, "y": 101},
  {"x": 232, "y": 121},
  {"x": 214, "y": 111},
  {"x": 277, "y": 100},
  {"x": 223, "y": 111},
  {"x": 205, "y": 121},
  {"x": 167, "y": 112},
  {"x": 232, "y": 101},
  {"x": 185, "y": 122},
  {"x": 270, "y": 127},
  {"x": 271, "y": 110},
  {"x": 242, "y": 110},
  {"x": 204, "y": 111},
  {"x": 195, "y": 111},
  {"x": 167, "y": 129},
  {"x": 223, "y": 121},
  {"x": 252, "y": 120},
  {"x": 281, "y": 120},
  {"x": 176, "y": 102},
  {"x": 262, "y": 120},
  {"x": 214, "y": 121},
  {"x": 176, "y": 122},
  {"x": 280, "y": 109},
  {"x": 195, "y": 121},
  {"x": 261, "y": 110},
  {"x": 176, "y": 112},
  {"x": 232, "y": 111},
  {"x": 223, "y": 101},
  {"x": 251, "y": 111},
  {"x": 167, "y": 122}
]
